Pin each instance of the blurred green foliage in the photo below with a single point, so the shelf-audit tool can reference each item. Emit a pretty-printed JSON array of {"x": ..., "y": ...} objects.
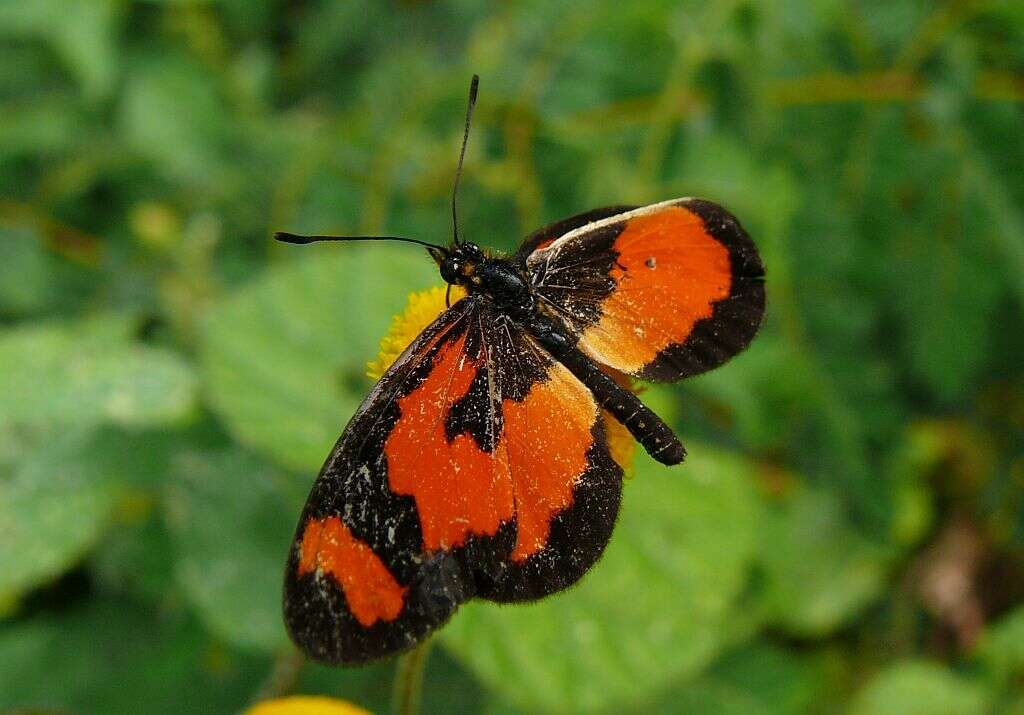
[{"x": 848, "y": 533}]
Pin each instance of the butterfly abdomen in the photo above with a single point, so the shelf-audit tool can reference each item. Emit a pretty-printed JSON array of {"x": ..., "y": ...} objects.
[{"x": 656, "y": 437}]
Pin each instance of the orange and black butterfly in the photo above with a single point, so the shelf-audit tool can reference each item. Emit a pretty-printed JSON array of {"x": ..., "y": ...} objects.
[{"x": 478, "y": 465}]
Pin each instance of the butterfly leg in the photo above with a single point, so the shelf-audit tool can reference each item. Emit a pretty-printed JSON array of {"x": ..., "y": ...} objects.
[{"x": 646, "y": 427}]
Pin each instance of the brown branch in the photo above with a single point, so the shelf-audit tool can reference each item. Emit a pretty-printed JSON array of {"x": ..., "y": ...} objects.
[
  {"x": 407, "y": 691},
  {"x": 830, "y": 88},
  {"x": 283, "y": 676},
  {"x": 1000, "y": 87}
]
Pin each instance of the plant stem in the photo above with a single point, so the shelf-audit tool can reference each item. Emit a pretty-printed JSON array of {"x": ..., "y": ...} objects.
[
  {"x": 284, "y": 674},
  {"x": 408, "y": 689}
]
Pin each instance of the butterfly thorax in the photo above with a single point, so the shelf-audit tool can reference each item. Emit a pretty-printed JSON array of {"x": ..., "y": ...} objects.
[{"x": 496, "y": 278}]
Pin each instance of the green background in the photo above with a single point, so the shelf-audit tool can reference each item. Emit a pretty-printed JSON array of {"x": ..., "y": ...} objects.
[{"x": 848, "y": 533}]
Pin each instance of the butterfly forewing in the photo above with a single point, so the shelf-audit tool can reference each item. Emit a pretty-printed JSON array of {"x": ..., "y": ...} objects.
[
  {"x": 660, "y": 292},
  {"x": 357, "y": 576},
  {"x": 544, "y": 237}
]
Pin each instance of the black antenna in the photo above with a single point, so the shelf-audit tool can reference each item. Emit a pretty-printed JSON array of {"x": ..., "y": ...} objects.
[
  {"x": 296, "y": 238},
  {"x": 473, "y": 85}
]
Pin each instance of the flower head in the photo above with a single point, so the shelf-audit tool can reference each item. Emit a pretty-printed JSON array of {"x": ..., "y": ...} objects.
[
  {"x": 305, "y": 705},
  {"x": 421, "y": 310}
]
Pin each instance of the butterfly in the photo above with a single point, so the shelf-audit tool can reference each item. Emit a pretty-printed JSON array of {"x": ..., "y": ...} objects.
[{"x": 478, "y": 466}]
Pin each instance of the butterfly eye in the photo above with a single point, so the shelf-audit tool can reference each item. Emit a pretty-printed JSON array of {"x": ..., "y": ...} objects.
[{"x": 451, "y": 270}]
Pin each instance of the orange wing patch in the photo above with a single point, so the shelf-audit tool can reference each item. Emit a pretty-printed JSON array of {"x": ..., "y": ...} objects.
[
  {"x": 462, "y": 490},
  {"x": 544, "y": 244},
  {"x": 459, "y": 488},
  {"x": 372, "y": 592},
  {"x": 547, "y": 437},
  {"x": 669, "y": 274}
]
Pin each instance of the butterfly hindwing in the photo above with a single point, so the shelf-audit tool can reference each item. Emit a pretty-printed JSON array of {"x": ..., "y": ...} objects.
[
  {"x": 476, "y": 467},
  {"x": 566, "y": 485},
  {"x": 660, "y": 292}
]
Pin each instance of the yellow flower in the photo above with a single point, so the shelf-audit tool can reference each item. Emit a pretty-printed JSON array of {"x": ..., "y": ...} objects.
[
  {"x": 421, "y": 310},
  {"x": 305, "y": 705}
]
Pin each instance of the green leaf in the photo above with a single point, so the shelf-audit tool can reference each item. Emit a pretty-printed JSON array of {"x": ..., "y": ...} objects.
[
  {"x": 83, "y": 32},
  {"x": 115, "y": 656},
  {"x": 1001, "y": 648},
  {"x": 819, "y": 571},
  {"x": 189, "y": 146},
  {"x": 920, "y": 688},
  {"x": 26, "y": 275},
  {"x": 135, "y": 558},
  {"x": 948, "y": 311},
  {"x": 59, "y": 495},
  {"x": 285, "y": 357},
  {"x": 756, "y": 678},
  {"x": 710, "y": 697},
  {"x": 1014, "y": 707},
  {"x": 53, "y": 509},
  {"x": 231, "y": 520},
  {"x": 922, "y": 448},
  {"x": 784, "y": 680},
  {"x": 87, "y": 373},
  {"x": 43, "y": 128},
  {"x": 658, "y": 606},
  {"x": 924, "y": 211},
  {"x": 1005, "y": 223}
]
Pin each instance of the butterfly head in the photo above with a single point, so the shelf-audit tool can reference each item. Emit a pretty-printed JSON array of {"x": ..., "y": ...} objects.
[
  {"x": 459, "y": 263},
  {"x": 496, "y": 278}
]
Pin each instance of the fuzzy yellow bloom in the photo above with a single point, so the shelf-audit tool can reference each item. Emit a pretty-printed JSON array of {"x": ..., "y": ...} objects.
[
  {"x": 305, "y": 705},
  {"x": 420, "y": 311},
  {"x": 423, "y": 308}
]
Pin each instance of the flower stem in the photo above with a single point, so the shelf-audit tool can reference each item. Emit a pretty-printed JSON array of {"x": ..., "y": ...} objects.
[
  {"x": 284, "y": 674},
  {"x": 408, "y": 689}
]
